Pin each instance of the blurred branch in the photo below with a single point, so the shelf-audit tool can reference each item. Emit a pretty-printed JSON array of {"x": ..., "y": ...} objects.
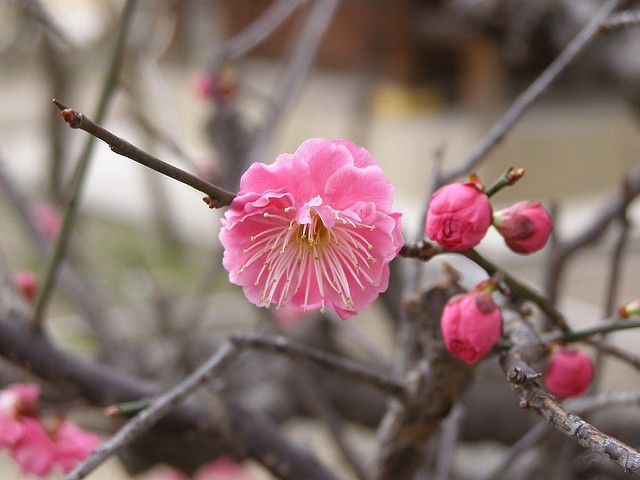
[
  {"x": 629, "y": 18},
  {"x": 143, "y": 421},
  {"x": 255, "y": 33},
  {"x": 232, "y": 424},
  {"x": 108, "y": 86},
  {"x": 304, "y": 51},
  {"x": 562, "y": 251},
  {"x": 620, "y": 354},
  {"x": 217, "y": 197},
  {"x": 527, "y": 98},
  {"x": 339, "y": 366},
  {"x": 39, "y": 12}
]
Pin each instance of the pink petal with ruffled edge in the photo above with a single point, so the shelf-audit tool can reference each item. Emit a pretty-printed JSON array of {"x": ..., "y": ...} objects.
[{"x": 314, "y": 229}]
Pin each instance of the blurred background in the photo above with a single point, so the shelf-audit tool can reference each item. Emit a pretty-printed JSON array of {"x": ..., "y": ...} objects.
[{"x": 411, "y": 80}]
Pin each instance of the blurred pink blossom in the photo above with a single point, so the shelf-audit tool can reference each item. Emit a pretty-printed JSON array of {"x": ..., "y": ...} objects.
[
  {"x": 224, "y": 468},
  {"x": 314, "y": 229},
  {"x": 26, "y": 282},
  {"x": 35, "y": 448},
  {"x": 47, "y": 219}
]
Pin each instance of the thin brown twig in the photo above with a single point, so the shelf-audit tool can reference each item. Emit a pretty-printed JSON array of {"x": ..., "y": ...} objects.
[
  {"x": 520, "y": 289},
  {"x": 527, "y": 98},
  {"x": 217, "y": 196},
  {"x": 516, "y": 362}
]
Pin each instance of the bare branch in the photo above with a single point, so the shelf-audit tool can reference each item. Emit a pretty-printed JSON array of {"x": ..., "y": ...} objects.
[
  {"x": 304, "y": 52},
  {"x": 146, "y": 419},
  {"x": 79, "y": 175},
  {"x": 340, "y": 366},
  {"x": 527, "y": 98},
  {"x": 217, "y": 196},
  {"x": 257, "y": 32}
]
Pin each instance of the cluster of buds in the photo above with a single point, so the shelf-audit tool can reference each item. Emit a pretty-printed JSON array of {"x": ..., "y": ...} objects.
[{"x": 460, "y": 215}]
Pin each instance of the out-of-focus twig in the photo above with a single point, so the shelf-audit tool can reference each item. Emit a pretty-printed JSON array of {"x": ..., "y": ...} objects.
[
  {"x": 562, "y": 251},
  {"x": 255, "y": 33},
  {"x": 109, "y": 83},
  {"x": 304, "y": 51},
  {"x": 527, "y": 98},
  {"x": 139, "y": 424},
  {"x": 340, "y": 366}
]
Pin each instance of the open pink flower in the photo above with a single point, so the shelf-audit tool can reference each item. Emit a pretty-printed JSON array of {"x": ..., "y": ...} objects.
[
  {"x": 37, "y": 449},
  {"x": 471, "y": 324},
  {"x": 314, "y": 229},
  {"x": 459, "y": 216},
  {"x": 568, "y": 373},
  {"x": 525, "y": 226}
]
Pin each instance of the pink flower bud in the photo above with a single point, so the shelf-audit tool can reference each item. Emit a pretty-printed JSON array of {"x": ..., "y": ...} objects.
[
  {"x": 26, "y": 283},
  {"x": 630, "y": 309},
  {"x": 569, "y": 372},
  {"x": 471, "y": 324},
  {"x": 459, "y": 216},
  {"x": 525, "y": 226}
]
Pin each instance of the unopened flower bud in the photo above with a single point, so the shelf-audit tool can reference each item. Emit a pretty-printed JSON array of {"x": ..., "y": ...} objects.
[
  {"x": 630, "y": 309},
  {"x": 459, "y": 216},
  {"x": 568, "y": 373},
  {"x": 525, "y": 226},
  {"x": 471, "y": 324},
  {"x": 26, "y": 282}
]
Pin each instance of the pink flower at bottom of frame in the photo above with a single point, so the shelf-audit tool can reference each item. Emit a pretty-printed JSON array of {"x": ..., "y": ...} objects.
[
  {"x": 224, "y": 468},
  {"x": 314, "y": 229},
  {"x": 568, "y": 372}
]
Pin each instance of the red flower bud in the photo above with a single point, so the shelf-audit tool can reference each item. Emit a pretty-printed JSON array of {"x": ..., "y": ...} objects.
[
  {"x": 525, "y": 226},
  {"x": 471, "y": 324},
  {"x": 26, "y": 282},
  {"x": 569, "y": 372},
  {"x": 459, "y": 216}
]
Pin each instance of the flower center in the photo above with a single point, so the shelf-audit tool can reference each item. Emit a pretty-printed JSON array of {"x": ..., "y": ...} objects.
[{"x": 300, "y": 253}]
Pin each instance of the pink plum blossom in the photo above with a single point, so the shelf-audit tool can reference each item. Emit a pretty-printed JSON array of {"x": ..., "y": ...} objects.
[
  {"x": 471, "y": 324},
  {"x": 459, "y": 216},
  {"x": 316, "y": 228},
  {"x": 38, "y": 449},
  {"x": 525, "y": 226},
  {"x": 569, "y": 372}
]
